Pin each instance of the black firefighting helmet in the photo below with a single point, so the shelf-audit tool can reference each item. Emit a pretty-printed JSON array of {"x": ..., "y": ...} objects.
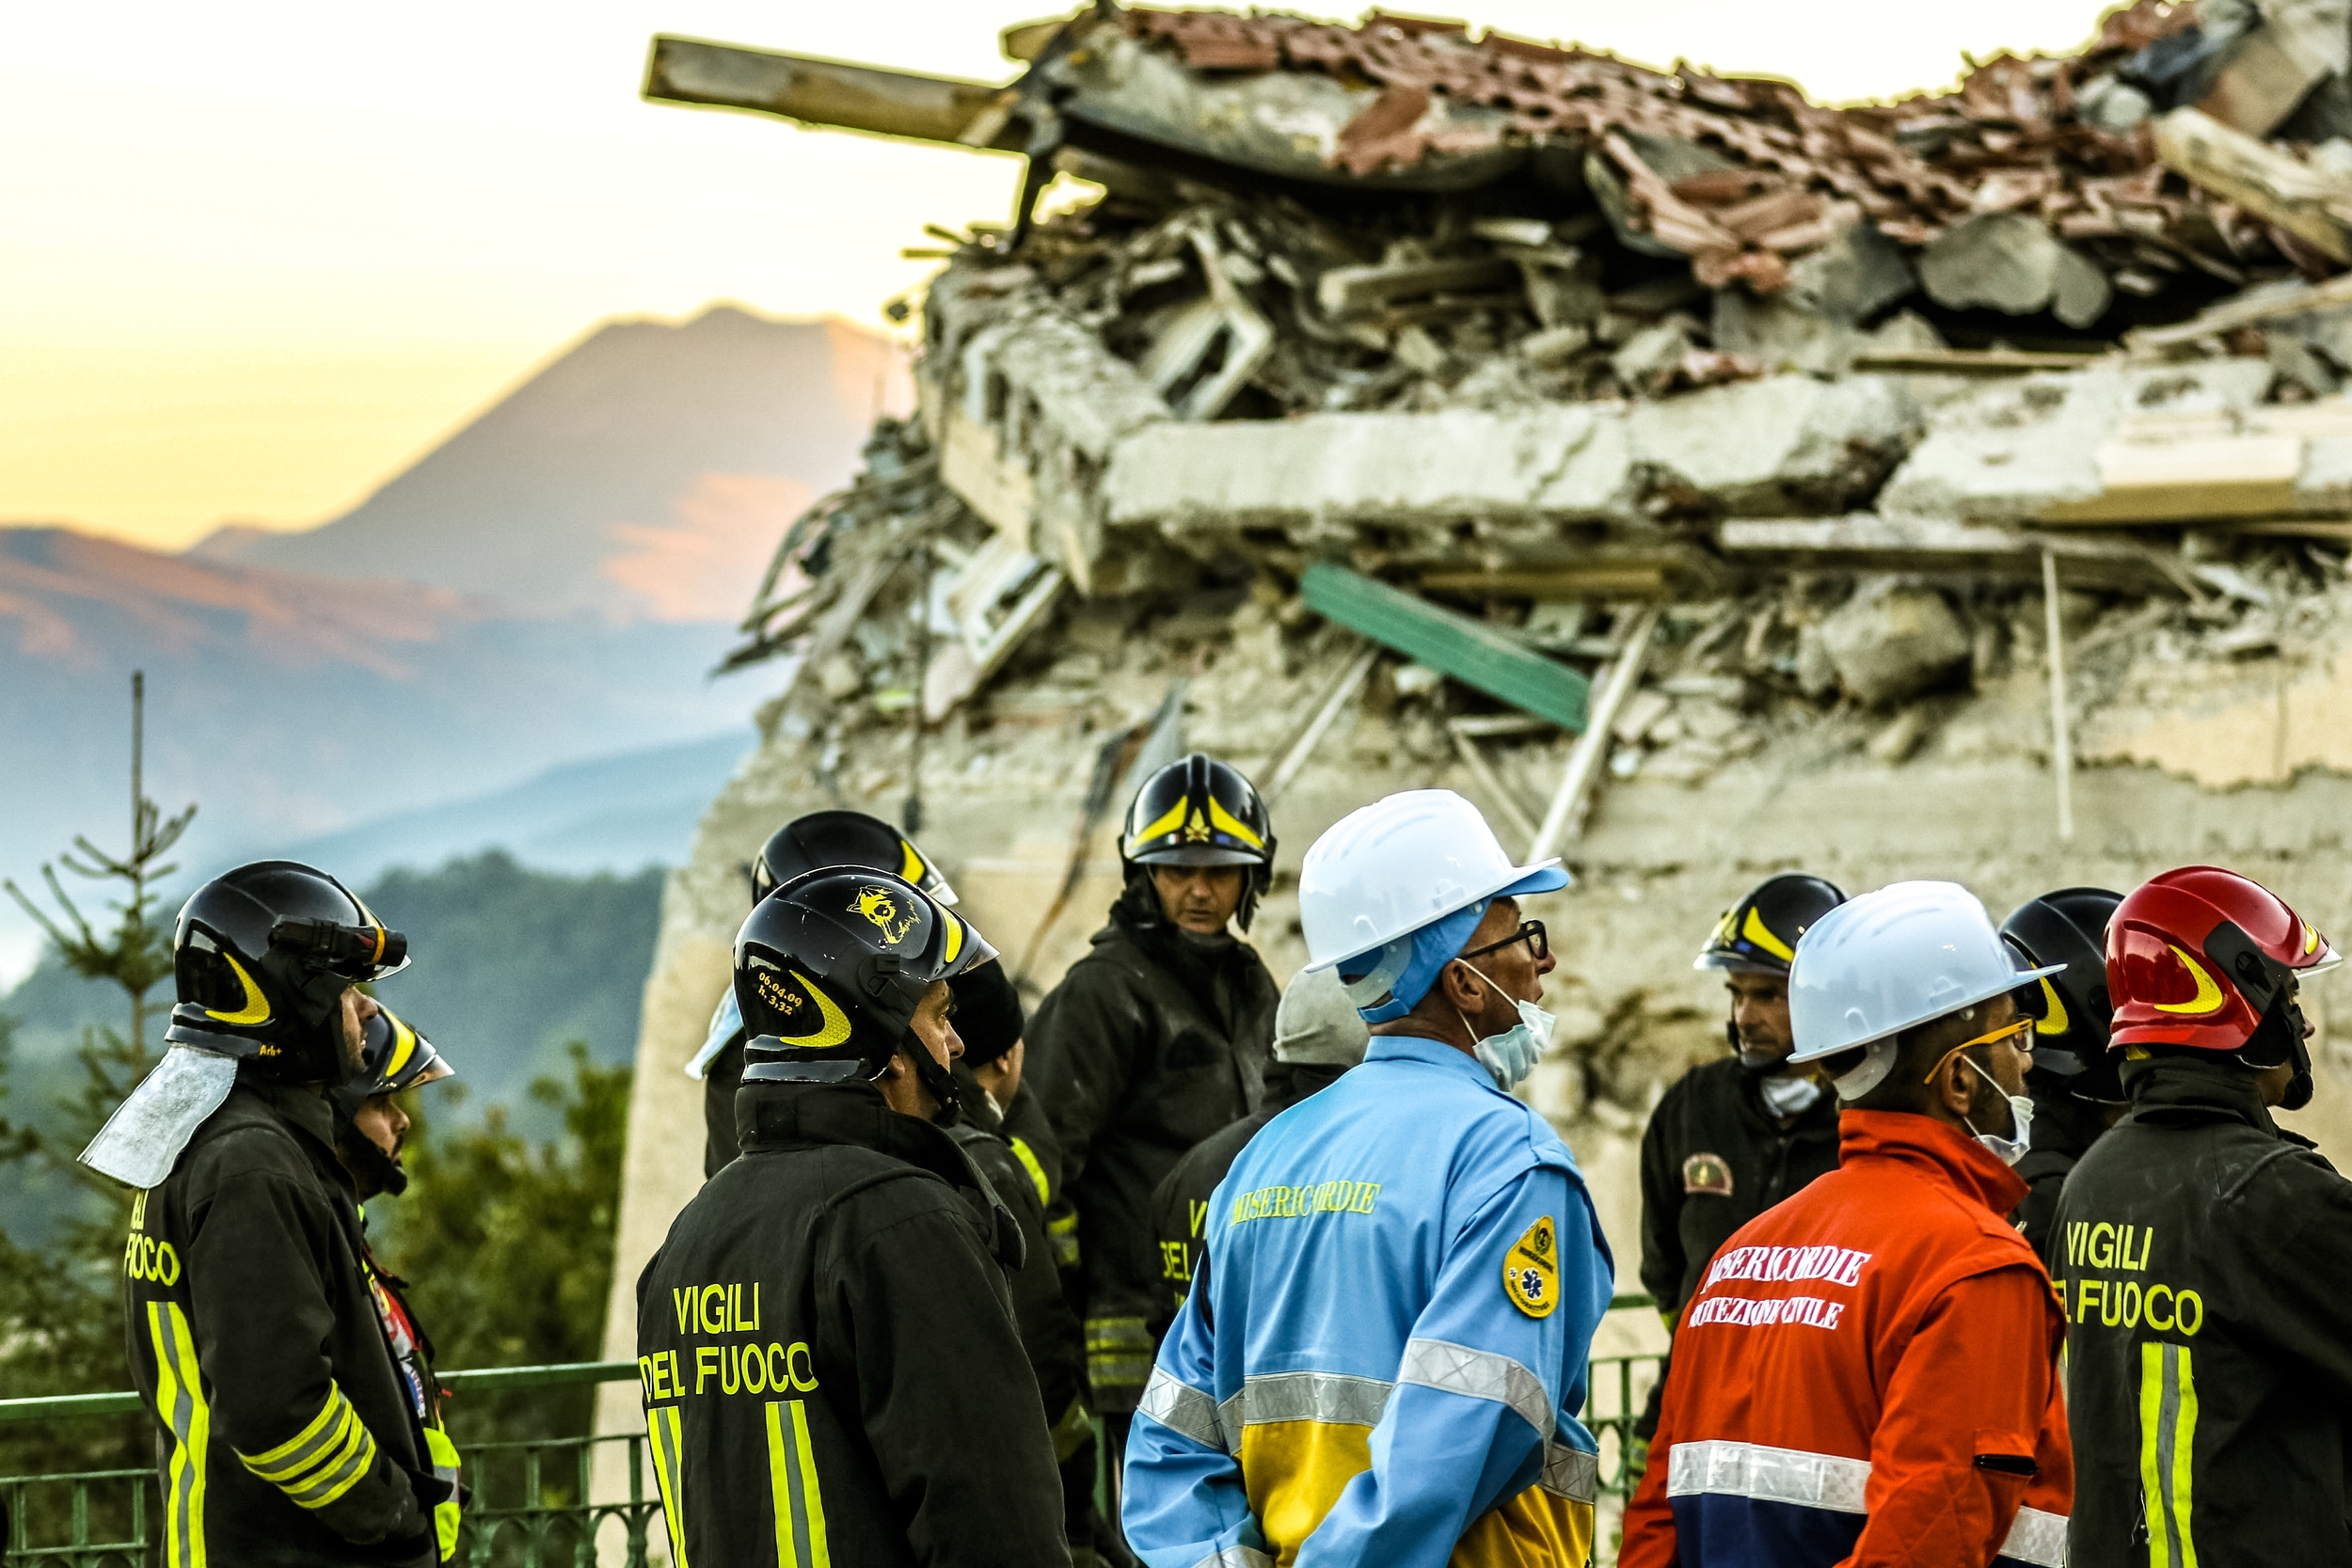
[
  {"x": 2070, "y": 1032},
  {"x": 829, "y": 970},
  {"x": 262, "y": 956},
  {"x": 1199, "y": 811},
  {"x": 824, "y": 838},
  {"x": 394, "y": 1058},
  {"x": 1758, "y": 934}
]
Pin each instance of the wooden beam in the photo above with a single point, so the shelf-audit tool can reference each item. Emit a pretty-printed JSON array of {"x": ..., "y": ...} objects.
[
  {"x": 1868, "y": 543},
  {"x": 833, "y": 94},
  {"x": 2231, "y": 314},
  {"x": 2309, "y": 205},
  {"x": 1968, "y": 361},
  {"x": 1479, "y": 656}
]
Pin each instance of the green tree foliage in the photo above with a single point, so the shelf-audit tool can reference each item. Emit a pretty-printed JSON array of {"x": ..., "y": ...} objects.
[{"x": 506, "y": 1242}]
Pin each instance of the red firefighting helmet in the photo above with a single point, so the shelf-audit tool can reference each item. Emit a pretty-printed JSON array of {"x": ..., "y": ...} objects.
[{"x": 2198, "y": 956}]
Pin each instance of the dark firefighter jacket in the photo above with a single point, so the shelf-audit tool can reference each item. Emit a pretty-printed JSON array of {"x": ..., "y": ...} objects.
[
  {"x": 1049, "y": 1330},
  {"x": 721, "y": 1079},
  {"x": 1180, "y": 1205},
  {"x": 1715, "y": 1157},
  {"x": 287, "y": 1431},
  {"x": 828, "y": 1356},
  {"x": 2064, "y": 1128},
  {"x": 1151, "y": 1043},
  {"x": 2205, "y": 1272}
]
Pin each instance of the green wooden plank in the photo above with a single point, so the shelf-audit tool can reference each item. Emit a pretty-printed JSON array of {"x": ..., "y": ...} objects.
[{"x": 1468, "y": 651}]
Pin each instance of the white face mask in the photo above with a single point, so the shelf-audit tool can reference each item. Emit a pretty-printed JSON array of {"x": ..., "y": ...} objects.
[
  {"x": 1510, "y": 1056},
  {"x": 2007, "y": 1150},
  {"x": 1787, "y": 1096}
]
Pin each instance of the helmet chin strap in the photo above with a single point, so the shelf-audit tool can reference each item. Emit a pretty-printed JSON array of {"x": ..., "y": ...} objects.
[
  {"x": 935, "y": 1078},
  {"x": 2282, "y": 1027}
]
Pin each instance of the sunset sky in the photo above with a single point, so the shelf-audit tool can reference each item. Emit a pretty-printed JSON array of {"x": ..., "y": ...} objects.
[{"x": 258, "y": 256}]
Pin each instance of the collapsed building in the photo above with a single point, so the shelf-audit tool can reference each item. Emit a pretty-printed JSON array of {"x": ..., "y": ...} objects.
[{"x": 1705, "y": 482}]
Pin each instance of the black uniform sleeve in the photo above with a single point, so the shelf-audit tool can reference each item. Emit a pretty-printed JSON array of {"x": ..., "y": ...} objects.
[
  {"x": 1049, "y": 1329},
  {"x": 2306, "y": 1312},
  {"x": 719, "y": 1081},
  {"x": 1662, "y": 1260},
  {"x": 1083, "y": 1038},
  {"x": 946, "y": 1395},
  {"x": 262, "y": 1320}
]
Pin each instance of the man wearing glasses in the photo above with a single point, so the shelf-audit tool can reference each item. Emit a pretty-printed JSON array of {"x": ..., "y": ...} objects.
[
  {"x": 1382, "y": 1356},
  {"x": 1867, "y": 1373}
]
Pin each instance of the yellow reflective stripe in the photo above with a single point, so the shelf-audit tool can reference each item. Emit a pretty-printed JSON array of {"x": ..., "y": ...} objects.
[
  {"x": 798, "y": 1503},
  {"x": 339, "y": 1474},
  {"x": 1226, "y": 822},
  {"x": 2167, "y": 1447},
  {"x": 1029, "y": 1162},
  {"x": 297, "y": 1450},
  {"x": 1166, "y": 824},
  {"x": 256, "y": 1008},
  {"x": 820, "y": 1554},
  {"x": 662, "y": 1435},
  {"x": 1761, "y": 934},
  {"x": 180, "y": 1400},
  {"x": 955, "y": 937}
]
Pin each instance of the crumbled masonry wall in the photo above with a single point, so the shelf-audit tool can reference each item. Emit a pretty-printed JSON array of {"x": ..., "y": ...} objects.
[{"x": 2212, "y": 753}]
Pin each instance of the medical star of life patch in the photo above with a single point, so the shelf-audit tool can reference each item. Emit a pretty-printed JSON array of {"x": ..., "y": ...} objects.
[{"x": 1531, "y": 1271}]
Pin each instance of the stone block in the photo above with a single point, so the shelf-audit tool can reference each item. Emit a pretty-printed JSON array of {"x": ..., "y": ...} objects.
[
  {"x": 2012, "y": 450},
  {"x": 1890, "y": 641}
]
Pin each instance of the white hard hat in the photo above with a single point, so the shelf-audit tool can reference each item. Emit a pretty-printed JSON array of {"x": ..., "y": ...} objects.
[
  {"x": 1887, "y": 961},
  {"x": 1388, "y": 869}
]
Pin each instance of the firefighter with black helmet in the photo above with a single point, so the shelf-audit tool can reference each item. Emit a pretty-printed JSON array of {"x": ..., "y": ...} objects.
[
  {"x": 2076, "y": 1093},
  {"x": 371, "y": 1128},
  {"x": 2202, "y": 1250},
  {"x": 287, "y": 1433},
  {"x": 1734, "y": 1137},
  {"x": 1158, "y": 1038},
  {"x": 808, "y": 842},
  {"x": 826, "y": 1346}
]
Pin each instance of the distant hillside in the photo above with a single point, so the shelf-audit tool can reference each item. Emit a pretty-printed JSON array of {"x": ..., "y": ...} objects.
[
  {"x": 291, "y": 705},
  {"x": 607, "y": 814},
  {"x": 647, "y": 472}
]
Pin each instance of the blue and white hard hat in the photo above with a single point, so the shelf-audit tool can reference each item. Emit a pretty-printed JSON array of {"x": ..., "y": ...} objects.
[{"x": 1401, "y": 866}]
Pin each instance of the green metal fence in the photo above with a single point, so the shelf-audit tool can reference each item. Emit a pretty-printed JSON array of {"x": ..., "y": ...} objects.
[{"x": 533, "y": 1505}]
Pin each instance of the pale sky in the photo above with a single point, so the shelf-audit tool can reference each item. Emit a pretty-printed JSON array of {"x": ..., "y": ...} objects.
[{"x": 255, "y": 256}]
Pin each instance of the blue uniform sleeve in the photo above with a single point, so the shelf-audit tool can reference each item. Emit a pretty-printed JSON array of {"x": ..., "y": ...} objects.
[
  {"x": 1498, "y": 1353},
  {"x": 1183, "y": 1499}
]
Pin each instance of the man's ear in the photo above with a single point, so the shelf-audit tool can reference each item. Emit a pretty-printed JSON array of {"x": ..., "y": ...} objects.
[{"x": 1463, "y": 989}]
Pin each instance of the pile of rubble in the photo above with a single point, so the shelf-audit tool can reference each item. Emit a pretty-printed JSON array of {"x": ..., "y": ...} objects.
[{"x": 1461, "y": 365}]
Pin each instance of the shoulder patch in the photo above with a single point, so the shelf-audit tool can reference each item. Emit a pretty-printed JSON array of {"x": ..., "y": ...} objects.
[
  {"x": 1531, "y": 1271},
  {"x": 1707, "y": 1173}
]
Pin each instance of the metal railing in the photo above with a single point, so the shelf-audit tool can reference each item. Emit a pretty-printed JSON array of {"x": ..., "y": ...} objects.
[{"x": 532, "y": 1505}]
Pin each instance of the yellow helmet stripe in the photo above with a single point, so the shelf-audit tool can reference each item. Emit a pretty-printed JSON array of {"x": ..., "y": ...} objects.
[
  {"x": 1757, "y": 932},
  {"x": 911, "y": 869},
  {"x": 1225, "y": 822},
  {"x": 954, "y": 938},
  {"x": 1166, "y": 824},
  {"x": 832, "y": 1024},
  {"x": 2055, "y": 1022},
  {"x": 256, "y": 1008},
  {"x": 2208, "y": 998},
  {"x": 404, "y": 1047}
]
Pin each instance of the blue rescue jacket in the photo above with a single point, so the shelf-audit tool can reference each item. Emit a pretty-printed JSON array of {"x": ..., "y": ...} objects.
[{"x": 1383, "y": 1354}]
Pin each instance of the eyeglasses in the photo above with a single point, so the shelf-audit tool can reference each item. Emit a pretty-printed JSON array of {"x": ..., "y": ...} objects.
[
  {"x": 2007, "y": 1032},
  {"x": 1529, "y": 931}
]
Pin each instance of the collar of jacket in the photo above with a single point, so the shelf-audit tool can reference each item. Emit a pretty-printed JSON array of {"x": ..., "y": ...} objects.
[
  {"x": 1429, "y": 1053},
  {"x": 805, "y": 1115},
  {"x": 2190, "y": 1091},
  {"x": 1946, "y": 1153},
  {"x": 299, "y": 1105}
]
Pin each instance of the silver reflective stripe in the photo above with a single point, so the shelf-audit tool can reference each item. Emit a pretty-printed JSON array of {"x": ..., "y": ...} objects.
[
  {"x": 1332, "y": 1397},
  {"x": 2037, "y": 1538},
  {"x": 1236, "y": 1556},
  {"x": 1769, "y": 1475},
  {"x": 1229, "y": 1421},
  {"x": 1480, "y": 1374},
  {"x": 1183, "y": 1409},
  {"x": 1570, "y": 1473}
]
